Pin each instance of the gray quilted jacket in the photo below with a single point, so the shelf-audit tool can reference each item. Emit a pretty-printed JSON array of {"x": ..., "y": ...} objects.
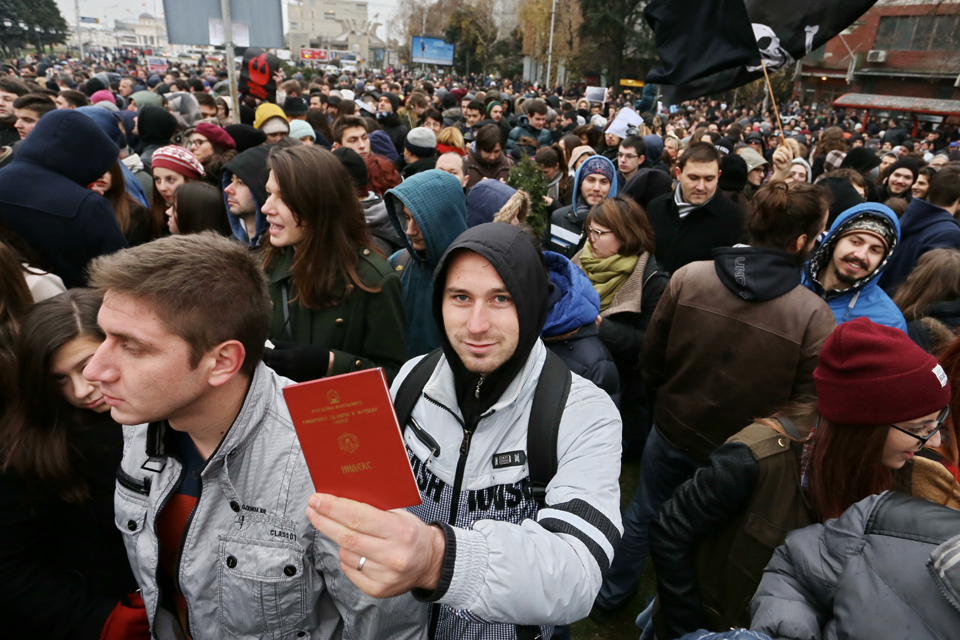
[
  {"x": 884, "y": 570},
  {"x": 251, "y": 565}
]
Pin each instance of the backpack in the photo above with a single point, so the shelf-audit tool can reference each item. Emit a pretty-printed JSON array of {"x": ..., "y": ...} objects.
[{"x": 549, "y": 401}]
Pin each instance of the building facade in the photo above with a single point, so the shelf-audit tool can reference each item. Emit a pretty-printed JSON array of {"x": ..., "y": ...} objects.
[
  {"x": 316, "y": 23},
  {"x": 899, "y": 48}
]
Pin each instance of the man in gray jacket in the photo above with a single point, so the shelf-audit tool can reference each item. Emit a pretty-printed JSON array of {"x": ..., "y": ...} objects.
[
  {"x": 493, "y": 561},
  {"x": 213, "y": 485}
]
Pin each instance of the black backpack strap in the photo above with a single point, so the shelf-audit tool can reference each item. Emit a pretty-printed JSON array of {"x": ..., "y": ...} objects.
[
  {"x": 408, "y": 395},
  {"x": 790, "y": 427},
  {"x": 549, "y": 401}
]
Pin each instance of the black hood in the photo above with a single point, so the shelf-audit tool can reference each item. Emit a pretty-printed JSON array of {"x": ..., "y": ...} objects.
[
  {"x": 251, "y": 167},
  {"x": 521, "y": 268},
  {"x": 756, "y": 274},
  {"x": 155, "y": 125}
]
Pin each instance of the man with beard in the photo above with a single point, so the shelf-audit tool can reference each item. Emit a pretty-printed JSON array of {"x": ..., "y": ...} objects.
[
  {"x": 745, "y": 317},
  {"x": 845, "y": 269}
]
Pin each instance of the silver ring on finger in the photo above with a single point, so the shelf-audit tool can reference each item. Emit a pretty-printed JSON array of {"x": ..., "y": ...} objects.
[{"x": 363, "y": 561}]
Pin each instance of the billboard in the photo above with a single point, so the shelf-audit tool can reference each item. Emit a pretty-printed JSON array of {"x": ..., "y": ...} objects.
[
  {"x": 428, "y": 50},
  {"x": 197, "y": 22}
]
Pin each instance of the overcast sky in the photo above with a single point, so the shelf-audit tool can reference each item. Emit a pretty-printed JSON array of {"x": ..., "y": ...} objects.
[{"x": 109, "y": 10}]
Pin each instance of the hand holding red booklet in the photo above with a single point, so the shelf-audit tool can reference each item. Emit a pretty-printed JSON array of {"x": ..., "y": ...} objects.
[{"x": 351, "y": 440}]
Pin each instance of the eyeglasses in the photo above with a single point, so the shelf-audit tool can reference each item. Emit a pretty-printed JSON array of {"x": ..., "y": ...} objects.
[
  {"x": 197, "y": 142},
  {"x": 595, "y": 234},
  {"x": 941, "y": 417},
  {"x": 624, "y": 156}
]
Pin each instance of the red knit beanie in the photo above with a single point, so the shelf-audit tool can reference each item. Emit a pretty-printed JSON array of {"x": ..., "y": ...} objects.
[
  {"x": 178, "y": 160},
  {"x": 216, "y": 135},
  {"x": 871, "y": 374}
]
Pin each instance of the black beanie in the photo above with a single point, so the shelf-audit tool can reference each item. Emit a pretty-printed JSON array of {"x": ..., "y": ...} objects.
[
  {"x": 93, "y": 85},
  {"x": 247, "y": 114},
  {"x": 733, "y": 173},
  {"x": 905, "y": 163},
  {"x": 393, "y": 98},
  {"x": 844, "y": 196},
  {"x": 246, "y": 136},
  {"x": 860, "y": 159},
  {"x": 354, "y": 165}
]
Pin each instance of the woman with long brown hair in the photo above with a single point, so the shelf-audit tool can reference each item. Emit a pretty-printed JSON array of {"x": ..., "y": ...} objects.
[
  {"x": 337, "y": 304},
  {"x": 930, "y": 299},
  {"x": 59, "y": 455},
  {"x": 133, "y": 217}
]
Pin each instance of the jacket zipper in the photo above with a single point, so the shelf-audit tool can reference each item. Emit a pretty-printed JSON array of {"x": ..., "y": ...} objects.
[
  {"x": 163, "y": 504},
  {"x": 425, "y": 438},
  {"x": 141, "y": 486},
  {"x": 457, "y": 485}
]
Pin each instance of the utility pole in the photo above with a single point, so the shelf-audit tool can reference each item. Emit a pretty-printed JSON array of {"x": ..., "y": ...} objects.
[
  {"x": 553, "y": 15},
  {"x": 76, "y": 4},
  {"x": 228, "y": 49}
]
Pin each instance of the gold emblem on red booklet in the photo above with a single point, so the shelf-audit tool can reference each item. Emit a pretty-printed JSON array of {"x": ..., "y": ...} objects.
[
  {"x": 333, "y": 396},
  {"x": 349, "y": 442}
]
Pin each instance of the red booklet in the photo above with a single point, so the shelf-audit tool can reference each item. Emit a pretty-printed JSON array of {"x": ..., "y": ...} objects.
[{"x": 351, "y": 440}]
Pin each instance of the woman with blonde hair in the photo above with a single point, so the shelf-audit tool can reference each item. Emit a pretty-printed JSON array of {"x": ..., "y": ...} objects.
[
  {"x": 930, "y": 299},
  {"x": 451, "y": 139}
]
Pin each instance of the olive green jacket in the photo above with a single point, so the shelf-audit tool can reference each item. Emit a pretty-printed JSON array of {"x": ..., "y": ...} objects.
[{"x": 365, "y": 330}]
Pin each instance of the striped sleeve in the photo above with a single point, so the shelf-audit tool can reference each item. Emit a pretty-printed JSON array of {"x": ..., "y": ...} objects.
[{"x": 586, "y": 523}]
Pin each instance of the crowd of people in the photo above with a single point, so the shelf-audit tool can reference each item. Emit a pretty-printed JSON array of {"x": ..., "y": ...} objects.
[{"x": 761, "y": 308}]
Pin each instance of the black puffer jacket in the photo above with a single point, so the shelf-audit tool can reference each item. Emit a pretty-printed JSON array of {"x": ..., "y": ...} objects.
[{"x": 63, "y": 566}]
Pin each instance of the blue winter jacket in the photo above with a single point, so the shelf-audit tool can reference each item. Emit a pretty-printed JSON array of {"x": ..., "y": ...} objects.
[
  {"x": 924, "y": 226},
  {"x": 865, "y": 298},
  {"x": 435, "y": 199},
  {"x": 574, "y": 307}
]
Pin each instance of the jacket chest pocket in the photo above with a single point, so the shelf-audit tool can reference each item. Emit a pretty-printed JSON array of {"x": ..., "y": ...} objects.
[
  {"x": 261, "y": 586},
  {"x": 130, "y": 515}
]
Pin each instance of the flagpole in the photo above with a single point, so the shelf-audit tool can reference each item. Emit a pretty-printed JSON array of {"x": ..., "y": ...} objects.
[{"x": 773, "y": 100}]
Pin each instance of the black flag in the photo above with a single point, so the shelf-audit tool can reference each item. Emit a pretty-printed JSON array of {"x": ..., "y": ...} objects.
[
  {"x": 784, "y": 32},
  {"x": 696, "y": 39}
]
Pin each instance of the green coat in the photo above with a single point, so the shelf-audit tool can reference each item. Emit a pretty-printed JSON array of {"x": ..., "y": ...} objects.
[{"x": 364, "y": 331}]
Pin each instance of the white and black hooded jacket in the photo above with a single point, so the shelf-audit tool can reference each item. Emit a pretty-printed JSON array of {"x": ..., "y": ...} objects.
[{"x": 510, "y": 567}]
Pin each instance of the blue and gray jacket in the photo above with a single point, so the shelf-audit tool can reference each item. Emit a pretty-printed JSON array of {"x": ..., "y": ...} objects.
[{"x": 864, "y": 298}]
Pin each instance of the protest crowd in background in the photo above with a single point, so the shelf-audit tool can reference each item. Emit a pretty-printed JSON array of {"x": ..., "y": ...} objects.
[{"x": 765, "y": 318}]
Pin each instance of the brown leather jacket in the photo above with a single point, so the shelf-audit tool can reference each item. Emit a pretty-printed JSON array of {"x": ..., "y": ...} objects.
[{"x": 719, "y": 361}]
